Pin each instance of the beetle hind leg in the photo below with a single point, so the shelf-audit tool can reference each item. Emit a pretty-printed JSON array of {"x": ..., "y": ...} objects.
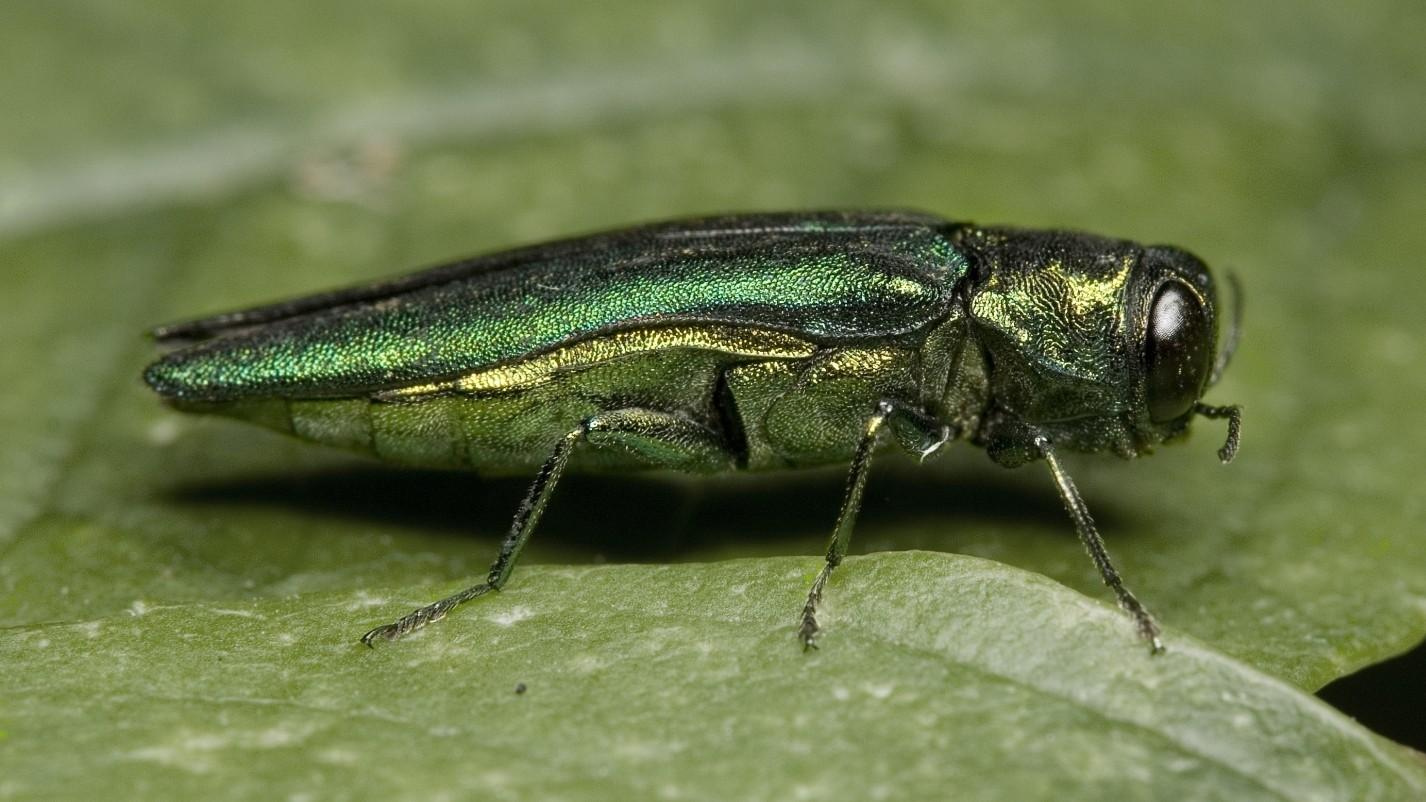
[
  {"x": 526, "y": 516},
  {"x": 659, "y": 438}
]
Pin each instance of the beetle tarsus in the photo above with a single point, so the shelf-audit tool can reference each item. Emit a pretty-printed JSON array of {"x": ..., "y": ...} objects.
[
  {"x": 1143, "y": 620},
  {"x": 807, "y": 632},
  {"x": 388, "y": 632},
  {"x": 421, "y": 617}
]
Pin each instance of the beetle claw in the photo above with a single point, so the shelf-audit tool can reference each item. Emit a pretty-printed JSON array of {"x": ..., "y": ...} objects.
[{"x": 387, "y": 632}]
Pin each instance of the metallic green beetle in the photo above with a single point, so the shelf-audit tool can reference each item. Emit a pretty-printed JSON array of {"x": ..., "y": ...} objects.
[{"x": 743, "y": 342}]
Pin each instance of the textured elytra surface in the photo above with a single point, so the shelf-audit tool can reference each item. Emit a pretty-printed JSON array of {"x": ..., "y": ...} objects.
[
  {"x": 1285, "y": 149},
  {"x": 832, "y": 278}
]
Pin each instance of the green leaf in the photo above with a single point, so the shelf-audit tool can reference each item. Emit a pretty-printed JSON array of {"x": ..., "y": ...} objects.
[
  {"x": 679, "y": 682},
  {"x": 170, "y": 163}
]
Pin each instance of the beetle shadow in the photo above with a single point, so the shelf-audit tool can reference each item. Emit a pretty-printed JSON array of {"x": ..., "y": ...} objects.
[{"x": 654, "y": 518}]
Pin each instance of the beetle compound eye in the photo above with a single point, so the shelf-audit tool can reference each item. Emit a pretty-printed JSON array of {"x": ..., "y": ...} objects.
[{"x": 1177, "y": 352}]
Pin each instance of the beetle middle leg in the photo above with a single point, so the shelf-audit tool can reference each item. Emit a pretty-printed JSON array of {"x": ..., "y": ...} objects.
[
  {"x": 919, "y": 434},
  {"x": 659, "y": 438}
]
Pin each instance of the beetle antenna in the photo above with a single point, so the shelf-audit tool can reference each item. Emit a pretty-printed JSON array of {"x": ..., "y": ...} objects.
[
  {"x": 1235, "y": 329},
  {"x": 1234, "y": 414}
]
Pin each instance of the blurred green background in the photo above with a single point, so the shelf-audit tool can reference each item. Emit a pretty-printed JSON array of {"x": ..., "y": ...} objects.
[{"x": 165, "y": 159}]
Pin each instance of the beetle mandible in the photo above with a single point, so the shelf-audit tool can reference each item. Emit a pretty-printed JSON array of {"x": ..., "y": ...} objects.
[{"x": 740, "y": 342}]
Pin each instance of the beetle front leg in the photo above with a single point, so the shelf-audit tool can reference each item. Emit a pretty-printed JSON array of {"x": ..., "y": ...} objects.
[
  {"x": 1094, "y": 544},
  {"x": 925, "y": 437}
]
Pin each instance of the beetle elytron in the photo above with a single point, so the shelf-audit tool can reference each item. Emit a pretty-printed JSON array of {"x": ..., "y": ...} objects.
[{"x": 742, "y": 342}]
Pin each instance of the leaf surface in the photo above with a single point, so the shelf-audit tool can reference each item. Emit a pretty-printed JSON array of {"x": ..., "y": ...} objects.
[{"x": 170, "y": 164}]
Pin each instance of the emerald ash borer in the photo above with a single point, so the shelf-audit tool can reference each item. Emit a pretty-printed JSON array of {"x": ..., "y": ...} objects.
[{"x": 749, "y": 342}]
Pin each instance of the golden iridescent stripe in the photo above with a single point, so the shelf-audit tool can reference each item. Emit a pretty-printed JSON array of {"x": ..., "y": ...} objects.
[{"x": 740, "y": 341}]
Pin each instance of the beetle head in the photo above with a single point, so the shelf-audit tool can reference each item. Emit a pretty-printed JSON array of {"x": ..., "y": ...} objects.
[{"x": 1098, "y": 344}]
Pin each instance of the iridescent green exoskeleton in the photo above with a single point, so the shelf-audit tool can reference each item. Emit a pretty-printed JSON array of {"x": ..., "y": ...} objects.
[{"x": 746, "y": 342}]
